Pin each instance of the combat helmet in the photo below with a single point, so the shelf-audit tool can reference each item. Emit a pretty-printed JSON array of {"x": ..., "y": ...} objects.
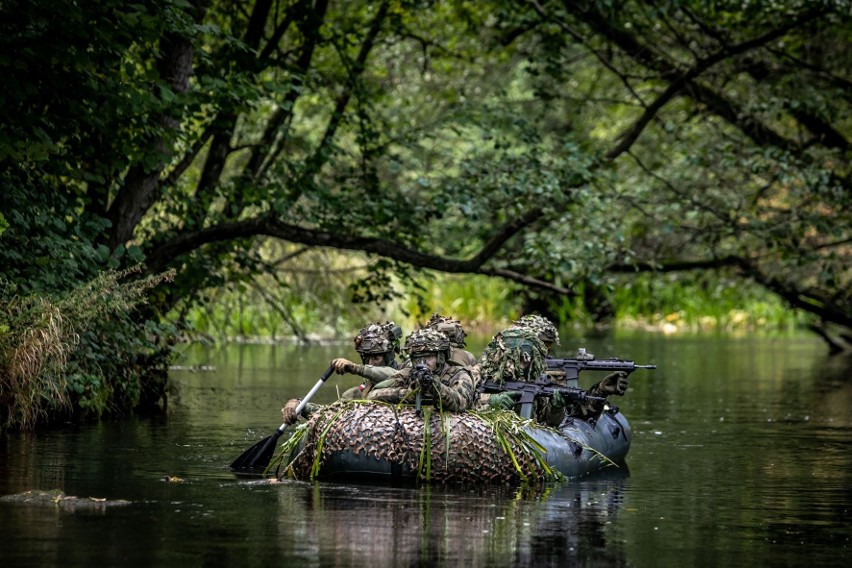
[
  {"x": 450, "y": 327},
  {"x": 379, "y": 339},
  {"x": 514, "y": 354},
  {"x": 427, "y": 341},
  {"x": 545, "y": 330}
]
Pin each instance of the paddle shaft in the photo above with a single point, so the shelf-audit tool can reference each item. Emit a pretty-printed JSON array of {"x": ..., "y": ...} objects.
[
  {"x": 258, "y": 456},
  {"x": 308, "y": 397},
  {"x": 313, "y": 391}
]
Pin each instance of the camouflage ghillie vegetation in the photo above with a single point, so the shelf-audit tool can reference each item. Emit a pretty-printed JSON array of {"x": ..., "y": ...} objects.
[
  {"x": 454, "y": 448},
  {"x": 515, "y": 354},
  {"x": 542, "y": 326}
]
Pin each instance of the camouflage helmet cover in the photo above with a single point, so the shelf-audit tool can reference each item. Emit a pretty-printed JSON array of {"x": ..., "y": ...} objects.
[
  {"x": 545, "y": 330},
  {"x": 427, "y": 340},
  {"x": 515, "y": 354},
  {"x": 378, "y": 338},
  {"x": 450, "y": 327}
]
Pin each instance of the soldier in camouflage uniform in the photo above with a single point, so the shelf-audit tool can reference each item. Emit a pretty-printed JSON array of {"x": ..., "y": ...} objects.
[
  {"x": 547, "y": 411},
  {"x": 613, "y": 384},
  {"x": 377, "y": 344},
  {"x": 452, "y": 328},
  {"x": 542, "y": 326},
  {"x": 517, "y": 354},
  {"x": 450, "y": 387}
]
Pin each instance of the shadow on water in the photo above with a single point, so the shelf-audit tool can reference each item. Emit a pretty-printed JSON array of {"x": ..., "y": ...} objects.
[{"x": 741, "y": 455}]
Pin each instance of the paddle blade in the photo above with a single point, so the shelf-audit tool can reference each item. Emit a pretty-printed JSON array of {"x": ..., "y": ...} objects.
[{"x": 256, "y": 458}]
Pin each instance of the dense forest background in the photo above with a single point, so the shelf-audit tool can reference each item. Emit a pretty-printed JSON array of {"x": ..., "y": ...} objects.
[{"x": 164, "y": 163}]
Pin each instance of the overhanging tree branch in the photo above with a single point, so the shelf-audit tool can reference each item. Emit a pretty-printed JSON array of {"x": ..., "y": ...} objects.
[{"x": 268, "y": 226}]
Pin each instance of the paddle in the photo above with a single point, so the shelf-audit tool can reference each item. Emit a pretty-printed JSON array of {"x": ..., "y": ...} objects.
[{"x": 258, "y": 456}]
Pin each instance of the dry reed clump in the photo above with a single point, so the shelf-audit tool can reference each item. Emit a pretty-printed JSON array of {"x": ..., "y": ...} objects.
[
  {"x": 33, "y": 352},
  {"x": 37, "y": 336}
]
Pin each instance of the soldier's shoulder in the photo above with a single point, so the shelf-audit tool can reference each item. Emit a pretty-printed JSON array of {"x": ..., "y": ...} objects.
[{"x": 457, "y": 371}]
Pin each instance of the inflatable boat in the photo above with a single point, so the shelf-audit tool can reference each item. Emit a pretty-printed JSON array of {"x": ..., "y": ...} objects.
[{"x": 369, "y": 440}]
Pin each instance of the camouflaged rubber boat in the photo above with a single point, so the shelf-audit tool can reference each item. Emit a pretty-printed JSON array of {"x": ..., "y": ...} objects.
[{"x": 364, "y": 440}]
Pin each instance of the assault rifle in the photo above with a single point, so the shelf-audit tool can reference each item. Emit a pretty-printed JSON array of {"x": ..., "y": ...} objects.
[
  {"x": 421, "y": 377},
  {"x": 531, "y": 391},
  {"x": 585, "y": 361}
]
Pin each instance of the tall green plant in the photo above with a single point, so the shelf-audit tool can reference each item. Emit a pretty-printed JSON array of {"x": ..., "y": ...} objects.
[{"x": 58, "y": 354}]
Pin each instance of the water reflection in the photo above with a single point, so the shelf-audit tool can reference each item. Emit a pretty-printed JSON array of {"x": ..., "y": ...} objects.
[
  {"x": 386, "y": 526},
  {"x": 741, "y": 456}
]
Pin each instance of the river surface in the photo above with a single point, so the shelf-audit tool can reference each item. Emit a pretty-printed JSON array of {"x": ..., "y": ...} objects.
[{"x": 741, "y": 456}]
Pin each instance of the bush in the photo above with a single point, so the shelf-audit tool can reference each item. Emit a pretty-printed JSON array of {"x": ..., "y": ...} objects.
[{"x": 78, "y": 354}]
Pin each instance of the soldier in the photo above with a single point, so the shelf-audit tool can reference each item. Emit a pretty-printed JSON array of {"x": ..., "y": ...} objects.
[
  {"x": 542, "y": 326},
  {"x": 446, "y": 386},
  {"x": 547, "y": 333},
  {"x": 613, "y": 384},
  {"x": 517, "y": 354},
  {"x": 452, "y": 328},
  {"x": 377, "y": 344}
]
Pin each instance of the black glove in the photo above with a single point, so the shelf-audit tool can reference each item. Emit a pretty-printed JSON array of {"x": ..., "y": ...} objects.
[{"x": 616, "y": 383}]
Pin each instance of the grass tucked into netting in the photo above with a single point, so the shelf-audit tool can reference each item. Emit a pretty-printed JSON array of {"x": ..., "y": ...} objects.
[
  {"x": 512, "y": 434},
  {"x": 510, "y": 430},
  {"x": 286, "y": 451}
]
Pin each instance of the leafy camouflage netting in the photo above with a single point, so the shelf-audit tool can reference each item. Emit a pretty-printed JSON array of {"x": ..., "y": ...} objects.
[
  {"x": 542, "y": 326},
  {"x": 468, "y": 447},
  {"x": 514, "y": 354}
]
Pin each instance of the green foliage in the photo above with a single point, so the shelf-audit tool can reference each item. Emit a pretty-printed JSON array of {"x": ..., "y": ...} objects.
[
  {"x": 47, "y": 244},
  {"x": 552, "y": 144},
  {"x": 477, "y": 301},
  {"x": 700, "y": 302},
  {"x": 76, "y": 353}
]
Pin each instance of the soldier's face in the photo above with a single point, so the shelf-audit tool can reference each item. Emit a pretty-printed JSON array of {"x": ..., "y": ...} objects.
[
  {"x": 430, "y": 360},
  {"x": 375, "y": 359}
]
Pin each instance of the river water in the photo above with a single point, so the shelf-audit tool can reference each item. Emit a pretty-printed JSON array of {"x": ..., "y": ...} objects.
[{"x": 741, "y": 456}]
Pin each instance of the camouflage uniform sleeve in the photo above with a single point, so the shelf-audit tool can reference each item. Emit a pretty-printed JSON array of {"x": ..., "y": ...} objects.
[
  {"x": 352, "y": 394},
  {"x": 458, "y": 393},
  {"x": 374, "y": 374},
  {"x": 394, "y": 389},
  {"x": 309, "y": 409}
]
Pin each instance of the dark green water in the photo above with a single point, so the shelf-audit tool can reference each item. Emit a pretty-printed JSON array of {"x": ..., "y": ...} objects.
[{"x": 741, "y": 456}]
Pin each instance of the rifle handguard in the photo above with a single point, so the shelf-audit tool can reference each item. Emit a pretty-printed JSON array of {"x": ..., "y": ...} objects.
[{"x": 421, "y": 376}]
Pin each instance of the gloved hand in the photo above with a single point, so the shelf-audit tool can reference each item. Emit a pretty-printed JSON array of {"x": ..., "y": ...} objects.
[
  {"x": 503, "y": 400},
  {"x": 422, "y": 377},
  {"x": 288, "y": 413},
  {"x": 557, "y": 401},
  {"x": 616, "y": 383},
  {"x": 342, "y": 366}
]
